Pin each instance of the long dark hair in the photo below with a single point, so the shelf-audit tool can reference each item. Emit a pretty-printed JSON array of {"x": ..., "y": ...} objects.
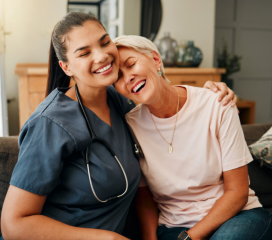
[{"x": 57, "y": 52}]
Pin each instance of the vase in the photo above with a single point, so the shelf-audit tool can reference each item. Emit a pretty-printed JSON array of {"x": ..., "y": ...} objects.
[
  {"x": 192, "y": 56},
  {"x": 167, "y": 47},
  {"x": 180, "y": 54}
]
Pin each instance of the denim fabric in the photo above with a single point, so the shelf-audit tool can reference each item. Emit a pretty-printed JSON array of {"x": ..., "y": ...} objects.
[{"x": 253, "y": 224}]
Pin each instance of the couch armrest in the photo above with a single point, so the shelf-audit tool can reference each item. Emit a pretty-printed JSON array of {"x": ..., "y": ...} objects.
[{"x": 8, "y": 158}]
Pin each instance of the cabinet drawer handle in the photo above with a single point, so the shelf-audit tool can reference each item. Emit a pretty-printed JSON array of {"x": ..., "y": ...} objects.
[{"x": 188, "y": 82}]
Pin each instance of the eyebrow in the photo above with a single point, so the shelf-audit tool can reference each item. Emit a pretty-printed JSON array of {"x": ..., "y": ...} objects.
[{"x": 88, "y": 46}]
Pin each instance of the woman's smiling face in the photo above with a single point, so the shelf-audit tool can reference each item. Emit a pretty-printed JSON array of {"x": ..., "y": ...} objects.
[
  {"x": 92, "y": 56},
  {"x": 138, "y": 75}
]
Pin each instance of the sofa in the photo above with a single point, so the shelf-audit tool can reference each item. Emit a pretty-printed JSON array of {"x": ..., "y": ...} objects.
[{"x": 260, "y": 177}]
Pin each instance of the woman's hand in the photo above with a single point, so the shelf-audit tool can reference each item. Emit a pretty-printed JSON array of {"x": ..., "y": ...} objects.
[
  {"x": 21, "y": 219},
  {"x": 233, "y": 200},
  {"x": 226, "y": 93}
]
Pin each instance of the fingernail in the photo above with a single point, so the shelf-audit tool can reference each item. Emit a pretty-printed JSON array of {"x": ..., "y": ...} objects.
[
  {"x": 224, "y": 103},
  {"x": 215, "y": 89},
  {"x": 219, "y": 99}
]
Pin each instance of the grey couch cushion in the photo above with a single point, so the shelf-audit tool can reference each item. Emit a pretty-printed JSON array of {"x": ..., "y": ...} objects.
[
  {"x": 260, "y": 177},
  {"x": 8, "y": 157},
  {"x": 254, "y": 132}
]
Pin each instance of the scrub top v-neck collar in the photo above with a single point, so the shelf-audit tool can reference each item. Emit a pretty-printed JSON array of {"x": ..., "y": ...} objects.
[{"x": 90, "y": 113}]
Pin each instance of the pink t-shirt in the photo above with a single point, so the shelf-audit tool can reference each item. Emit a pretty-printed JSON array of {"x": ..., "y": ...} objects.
[{"x": 208, "y": 141}]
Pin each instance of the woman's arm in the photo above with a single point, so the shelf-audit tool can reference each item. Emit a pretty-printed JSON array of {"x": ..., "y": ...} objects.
[
  {"x": 148, "y": 214},
  {"x": 21, "y": 219},
  {"x": 235, "y": 197},
  {"x": 226, "y": 93}
]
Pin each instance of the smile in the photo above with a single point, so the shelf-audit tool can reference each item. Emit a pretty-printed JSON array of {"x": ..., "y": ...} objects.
[
  {"x": 104, "y": 68},
  {"x": 140, "y": 85}
]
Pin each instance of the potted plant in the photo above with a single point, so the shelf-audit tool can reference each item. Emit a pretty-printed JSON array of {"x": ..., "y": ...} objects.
[{"x": 232, "y": 64}]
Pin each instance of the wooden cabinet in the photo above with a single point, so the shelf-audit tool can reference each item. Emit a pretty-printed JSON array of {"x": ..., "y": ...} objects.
[
  {"x": 193, "y": 76},
  {"x": 32, "y": 80},
  {"x": 247, "y": 111}
]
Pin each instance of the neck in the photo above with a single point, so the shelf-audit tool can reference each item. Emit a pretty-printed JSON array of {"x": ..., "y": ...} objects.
[
  {"x": 166, "y": 101},
  {"x": 93, "y": 98}
]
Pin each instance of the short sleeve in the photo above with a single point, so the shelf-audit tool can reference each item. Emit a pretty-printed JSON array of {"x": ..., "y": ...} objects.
[
  {"x": 232, "y": 142},
  {"x": 44, "y": 146}
]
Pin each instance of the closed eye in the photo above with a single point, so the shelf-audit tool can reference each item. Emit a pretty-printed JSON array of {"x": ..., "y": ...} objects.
[
  {"x": 106, "y": 43},
  {"x": 130, "y": 66},
  {"x": 85, "y": 54}
]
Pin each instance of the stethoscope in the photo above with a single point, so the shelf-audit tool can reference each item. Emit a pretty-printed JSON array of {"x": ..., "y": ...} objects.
[{"x": 137, "y": 148}]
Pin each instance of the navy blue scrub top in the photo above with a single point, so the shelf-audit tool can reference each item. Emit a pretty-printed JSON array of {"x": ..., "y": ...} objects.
[{"x": 52, "y": 162}]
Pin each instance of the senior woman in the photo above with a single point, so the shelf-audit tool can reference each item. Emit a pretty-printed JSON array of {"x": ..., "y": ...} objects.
[{"x": 195, "y": 155}]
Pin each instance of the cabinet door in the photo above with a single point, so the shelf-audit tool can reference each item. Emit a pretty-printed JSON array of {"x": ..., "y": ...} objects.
[
  {"x": 35, "y": 99},
  {"x": 37, "y": 84}
]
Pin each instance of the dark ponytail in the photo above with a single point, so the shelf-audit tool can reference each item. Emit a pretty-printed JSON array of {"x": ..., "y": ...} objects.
[
  {"x": 57, "y": 52},
  {"x": 56, "y": 76}
]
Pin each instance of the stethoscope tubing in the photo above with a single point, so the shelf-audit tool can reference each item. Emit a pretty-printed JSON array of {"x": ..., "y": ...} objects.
[
  {"x": 91, "y": 184},
  {"x": 94, "y": 138}
]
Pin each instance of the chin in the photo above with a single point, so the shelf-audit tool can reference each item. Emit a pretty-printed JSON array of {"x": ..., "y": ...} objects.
[{"x": 143, "y": 99}]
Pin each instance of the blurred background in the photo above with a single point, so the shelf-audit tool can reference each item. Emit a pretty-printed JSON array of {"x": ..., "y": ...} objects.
[{"x": 195, "y": 37}]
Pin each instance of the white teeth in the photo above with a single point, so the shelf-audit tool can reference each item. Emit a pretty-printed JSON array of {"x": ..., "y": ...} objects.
[
  {"x": 104, "y": 69},
  {"x": 135, "y": 89}
]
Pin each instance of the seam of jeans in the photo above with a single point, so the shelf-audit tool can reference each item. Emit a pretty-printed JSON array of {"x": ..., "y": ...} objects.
[{"x": 266, "y": 228}]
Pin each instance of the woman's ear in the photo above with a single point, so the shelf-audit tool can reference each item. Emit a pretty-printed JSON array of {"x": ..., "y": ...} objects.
[
  {"x": 157, "y": 59},
  {"x": 66, "y": 68}
]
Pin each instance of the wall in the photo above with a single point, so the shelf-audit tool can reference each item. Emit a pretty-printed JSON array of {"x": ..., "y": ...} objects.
[
  {"x": 3, "y": 101},
  {"x": 191, "y": 20},
  {"x": 246, "y": 25},
  {"x": 28, "y": 24},
  {"x": 132, "y": 17}
]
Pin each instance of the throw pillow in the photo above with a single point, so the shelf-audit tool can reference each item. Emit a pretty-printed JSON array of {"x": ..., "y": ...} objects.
[{"x": 262, "y": 149}]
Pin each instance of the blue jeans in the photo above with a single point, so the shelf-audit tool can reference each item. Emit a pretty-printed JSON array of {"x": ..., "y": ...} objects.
[{"x": 253, "y": 224}]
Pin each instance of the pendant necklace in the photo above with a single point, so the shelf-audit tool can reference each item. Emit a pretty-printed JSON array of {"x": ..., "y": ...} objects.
[{"x": 170, "y": 148}]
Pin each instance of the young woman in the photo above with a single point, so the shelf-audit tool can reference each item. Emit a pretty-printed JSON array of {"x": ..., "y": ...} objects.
[
  {"x": 74, "y": 180},
  {"x": 195, "y": 156}
]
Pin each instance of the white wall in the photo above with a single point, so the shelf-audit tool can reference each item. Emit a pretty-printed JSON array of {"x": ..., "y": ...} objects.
[
  {"x": 3, "y": 100},
  {"x": 30, "y": 23},
  {"x": 191, "y": 20},
  {"x": 132, "y": 17}
]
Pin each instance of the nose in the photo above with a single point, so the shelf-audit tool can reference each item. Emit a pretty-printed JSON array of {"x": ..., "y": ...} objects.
[
  {"x": 100, "y": 56},
  {"x": 128, "y": 79}
]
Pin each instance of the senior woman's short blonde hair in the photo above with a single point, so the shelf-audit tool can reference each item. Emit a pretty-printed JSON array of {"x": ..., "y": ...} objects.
[{"x": 139, "y": 44}]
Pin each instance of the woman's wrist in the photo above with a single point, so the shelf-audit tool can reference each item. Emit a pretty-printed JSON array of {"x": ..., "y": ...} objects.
[{"x": 196, "y": 234}]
